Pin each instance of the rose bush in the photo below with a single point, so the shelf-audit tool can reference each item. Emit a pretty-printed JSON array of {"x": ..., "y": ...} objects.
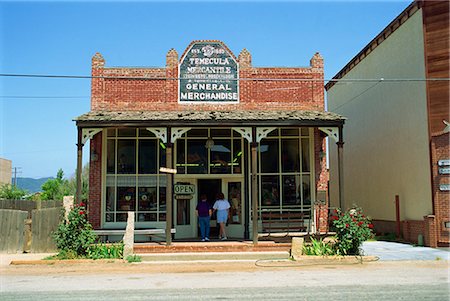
[
  {"x": 74, "y": 236},
  {"x": 352, "y": 229}
]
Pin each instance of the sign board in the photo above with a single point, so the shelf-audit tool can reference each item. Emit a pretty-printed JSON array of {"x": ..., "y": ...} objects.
[
  {"x": 444, "y": 162},
  {"x": 184, "y": 189},
  {"x": 444, "y": 170},
  {"x": 444, "y": 187},
  {"x": 167, "y": 170},
  {"x": 208, "y": 72},
  {"x": 184, "y": 196}
]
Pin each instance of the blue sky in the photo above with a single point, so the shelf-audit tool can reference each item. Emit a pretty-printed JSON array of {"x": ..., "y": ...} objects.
[{"x": 59, "y": 38}]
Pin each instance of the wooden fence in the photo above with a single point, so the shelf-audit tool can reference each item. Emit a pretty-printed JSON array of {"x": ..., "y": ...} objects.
[
  {"x": 44, "y": 222},
  {"x": 12, "y": 224},
  {"x": 27, "y": 226}
]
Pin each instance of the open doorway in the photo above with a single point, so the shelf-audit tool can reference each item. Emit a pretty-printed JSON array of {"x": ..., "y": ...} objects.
[{"x": 210, "y": 187}]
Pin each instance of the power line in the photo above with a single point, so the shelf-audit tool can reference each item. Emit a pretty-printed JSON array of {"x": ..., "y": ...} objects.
[
  {"x": 236, "y": 79},
  {"x": 24, "y": 96}
]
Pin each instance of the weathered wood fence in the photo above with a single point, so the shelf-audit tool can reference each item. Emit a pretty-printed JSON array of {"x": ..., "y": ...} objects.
[{"x": 27, "y": 226}]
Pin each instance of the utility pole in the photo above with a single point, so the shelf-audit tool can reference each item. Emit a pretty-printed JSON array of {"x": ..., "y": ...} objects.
[{"x": 15, "y": 175}]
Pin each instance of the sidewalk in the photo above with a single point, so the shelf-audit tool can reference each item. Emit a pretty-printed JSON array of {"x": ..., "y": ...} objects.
[
  {"x": 394, "y": 251},
  {"x": 385, "y": 251}
]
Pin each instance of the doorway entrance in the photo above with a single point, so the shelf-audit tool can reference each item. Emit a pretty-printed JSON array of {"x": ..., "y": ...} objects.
[{"x": 210, "y": 187}]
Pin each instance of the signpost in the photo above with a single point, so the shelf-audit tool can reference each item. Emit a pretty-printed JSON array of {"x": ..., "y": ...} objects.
[{"x": 208, "y": 73}]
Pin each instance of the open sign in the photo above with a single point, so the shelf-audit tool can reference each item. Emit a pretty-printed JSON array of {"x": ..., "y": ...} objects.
[{"x": 184, "y": 189}]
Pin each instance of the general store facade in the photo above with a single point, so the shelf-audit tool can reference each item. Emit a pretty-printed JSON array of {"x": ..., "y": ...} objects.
[{"x": 255, "y": 134}]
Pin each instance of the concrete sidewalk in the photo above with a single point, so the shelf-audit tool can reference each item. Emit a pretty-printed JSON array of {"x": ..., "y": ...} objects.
[
  {"x": 394, "y": 251},
  {"x": 385, "y": 251}
]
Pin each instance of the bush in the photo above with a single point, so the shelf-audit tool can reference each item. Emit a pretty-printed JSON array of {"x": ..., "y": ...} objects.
[
  {"x": 102, "y": 251},
  {"x": 319, "y": 248},
  {"x": 11, "y": 192},
  {"x": 352, "y": 229},
  {"x": 75, "y": 236}
]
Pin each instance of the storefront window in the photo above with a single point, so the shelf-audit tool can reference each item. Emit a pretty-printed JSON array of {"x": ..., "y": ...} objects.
[
  {"x": 133, "y": 182},
  {"x": 288, "y": 187},
  {"x": 234, "y": 197},
  {"x": 209, "y": 151}
]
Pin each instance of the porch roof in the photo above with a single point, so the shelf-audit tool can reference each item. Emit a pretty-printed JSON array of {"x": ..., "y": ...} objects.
[{"x": 209, "y": 118}]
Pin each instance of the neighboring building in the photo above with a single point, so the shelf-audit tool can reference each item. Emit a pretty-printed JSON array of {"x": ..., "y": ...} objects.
[
  {"x": 5, "y": 171},
  {"x": 206, "y": 115},
  {"x": 396, "y": 140}
]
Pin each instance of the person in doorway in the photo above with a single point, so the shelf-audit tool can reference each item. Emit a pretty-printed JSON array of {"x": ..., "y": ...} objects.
[
  {"x": 222, "y": 206},
  {"x": 204, "y": 213}
]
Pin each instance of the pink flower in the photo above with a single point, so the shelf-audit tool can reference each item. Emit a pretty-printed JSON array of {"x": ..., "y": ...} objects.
[
  {"x": 346, "y": 225},
  {"x": 370, "y": 226},
  {"x": 81, "y": 212}
]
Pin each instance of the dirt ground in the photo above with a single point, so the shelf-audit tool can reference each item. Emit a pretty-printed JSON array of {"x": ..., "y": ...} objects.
[{"x": 119, "y": 267}]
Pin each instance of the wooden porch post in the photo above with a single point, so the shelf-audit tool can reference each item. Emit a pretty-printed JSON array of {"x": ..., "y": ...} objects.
[
  {"x": 169, "y": 193},
  {"x": 79, "y": 165},
  {"x": 340, "y": 150},
  {"x": 254, "y": 149}
]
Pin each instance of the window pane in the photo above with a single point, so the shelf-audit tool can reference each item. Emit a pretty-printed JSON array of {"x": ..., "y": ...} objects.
[
  {"x": 111, "y": 133},
  {"x": 237, "y": 156},
  {"x": 147, "y": 156},
  {"x": 183, "y": 212},
  {"x": 290, "y": 194},
  {"x": 234, "y": 196},
  {"x": 289, "y": 132},
  {"x": 147, "y": 199},
  {"x": 269, "y": 155},
  {"x": 162, "y": 155},
  {"x": 306, "y": 164},
  {"x": 145, "y": 133},
  {"x": 197, "y": 157},
  {"x": 305, "y": 131},
  {"x": 126, "y": 132},
  {"x": 270, "y": 188},
  {"x": 110, "y": 198},
  {"x": 181, "y": 156},
  {"x": 162, "y": 194},
  {"x": 126, "y": 198},
  {"x": 306, "y": 190},
  {"x": 126, "y": 162},
  {"x": 274, "y": 133},
  {"x": 198, "y": 133},
  {"x": 111, "y": 156},
  {"x": 290, "y": 159},
  {"x": 220, "y": 133},
  {"x": 221, "y": 157}
]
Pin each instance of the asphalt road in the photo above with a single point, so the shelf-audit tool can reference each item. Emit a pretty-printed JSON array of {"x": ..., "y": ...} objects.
[{"x": 406, "y": 280}]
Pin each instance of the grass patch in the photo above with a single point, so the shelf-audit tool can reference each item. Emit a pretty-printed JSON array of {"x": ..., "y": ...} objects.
[{"x": 133, "y": 258}]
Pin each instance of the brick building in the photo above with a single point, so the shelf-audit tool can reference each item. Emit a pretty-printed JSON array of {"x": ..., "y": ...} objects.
[
  {"x": 397, "y": 130},
  {"x": 255, "y": 134}
]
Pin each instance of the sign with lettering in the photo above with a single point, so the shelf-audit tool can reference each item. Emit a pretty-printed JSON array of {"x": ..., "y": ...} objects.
[
  {"x": 208, "y": 73},
  {"x": 444, "y": 170},
  {"x": 444, "y": 162},
  {"x": 184, "y": 189},
  {"x": 444, "y": 187}
]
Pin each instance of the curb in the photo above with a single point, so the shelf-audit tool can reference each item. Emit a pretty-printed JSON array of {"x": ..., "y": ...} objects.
[{"x": 62, "y": 262}]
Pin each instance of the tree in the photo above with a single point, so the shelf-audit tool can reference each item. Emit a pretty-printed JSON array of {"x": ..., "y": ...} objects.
[
  {"x": 56, "y": 189},
  {"x": 10, "y": 192}
]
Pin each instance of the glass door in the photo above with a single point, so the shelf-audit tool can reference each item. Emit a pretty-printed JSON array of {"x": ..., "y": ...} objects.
[
  {"x": 233, "y": 190},
  {"x": 184, "y": 212}
]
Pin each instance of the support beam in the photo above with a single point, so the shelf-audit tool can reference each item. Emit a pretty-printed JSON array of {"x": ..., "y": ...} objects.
[
  {"x": 169, "y": 192},
  {"x": 254, "y": 150},
  {"x": 79, "y": 164},
  {"x": 340, "y": 151}
]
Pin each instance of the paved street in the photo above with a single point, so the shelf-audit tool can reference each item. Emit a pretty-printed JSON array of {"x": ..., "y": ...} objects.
[{"x": 405, "y": 280}]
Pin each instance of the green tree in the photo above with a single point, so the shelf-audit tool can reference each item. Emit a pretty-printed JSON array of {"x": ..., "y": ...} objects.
[
  {"x": 10, "y": 192},
  {"x": 56, "y": 189}
]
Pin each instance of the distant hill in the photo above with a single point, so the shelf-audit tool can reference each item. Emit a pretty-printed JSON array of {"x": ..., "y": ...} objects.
[{"x": 30, "y": 184}]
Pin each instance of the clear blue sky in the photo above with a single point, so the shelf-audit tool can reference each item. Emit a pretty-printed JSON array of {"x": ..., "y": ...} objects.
[{"x": 59, "y": 38}]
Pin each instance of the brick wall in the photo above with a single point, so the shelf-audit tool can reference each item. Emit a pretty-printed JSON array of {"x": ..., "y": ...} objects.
[
  {"x": 157, "y": 88},
  {"x": 440, "y": 150},
  {"x": 95, "y": 182}
]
